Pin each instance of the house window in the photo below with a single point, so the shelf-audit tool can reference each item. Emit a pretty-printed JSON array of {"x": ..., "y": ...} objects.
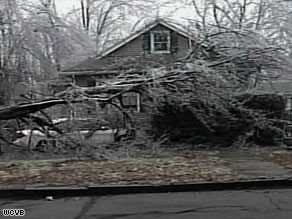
[
  {"x": 131, "y": 100},
  {"x": 84, "y": 81},
  {"x": 160, "y": 42}
]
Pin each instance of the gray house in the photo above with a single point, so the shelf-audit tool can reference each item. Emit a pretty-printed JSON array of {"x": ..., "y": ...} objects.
[{"x": 158, "y": 44}]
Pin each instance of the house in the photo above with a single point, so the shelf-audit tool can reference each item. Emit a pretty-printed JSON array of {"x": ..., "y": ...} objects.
[
  {"x": 282, "y": 87},
  {"x": 158, "y": 44}
]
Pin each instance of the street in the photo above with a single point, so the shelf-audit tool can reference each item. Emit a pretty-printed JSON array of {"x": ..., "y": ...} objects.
[{"x": 260, "y": 204}]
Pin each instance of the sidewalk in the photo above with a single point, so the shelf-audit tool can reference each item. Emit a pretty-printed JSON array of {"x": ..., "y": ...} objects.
[
  {"x": 256, "y": 165},
  {"x": 223, "y": 169}
]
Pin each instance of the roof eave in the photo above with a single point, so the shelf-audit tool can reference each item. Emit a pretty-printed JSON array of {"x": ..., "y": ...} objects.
[
  {"x": 142, "y": 31},
  {"x": 95, "y": 72}
]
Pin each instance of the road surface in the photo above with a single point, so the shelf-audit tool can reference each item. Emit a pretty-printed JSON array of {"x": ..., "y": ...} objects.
[{"x": 260, "y": 204}]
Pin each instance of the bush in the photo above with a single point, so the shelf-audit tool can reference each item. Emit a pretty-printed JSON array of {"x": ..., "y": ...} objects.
[
  {"x": 254, "y": 118},
  {"x": 180, "y": 124}
]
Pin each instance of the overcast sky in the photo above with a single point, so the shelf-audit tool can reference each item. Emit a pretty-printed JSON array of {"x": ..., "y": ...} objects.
[{"x": 66, "y": 5}]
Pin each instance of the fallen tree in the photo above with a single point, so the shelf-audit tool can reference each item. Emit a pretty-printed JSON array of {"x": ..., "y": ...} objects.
[
  {"x": 18, "y": 111},
  {"x": 203, "y": 84}
]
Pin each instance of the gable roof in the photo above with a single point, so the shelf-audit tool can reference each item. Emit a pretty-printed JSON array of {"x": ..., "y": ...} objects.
[
  {"x": 144, "y": 30},
  {"x": 100, "y": 63}
]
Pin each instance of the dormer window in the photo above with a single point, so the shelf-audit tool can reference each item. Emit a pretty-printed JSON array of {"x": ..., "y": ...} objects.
[{"x": 160, "y": 41}]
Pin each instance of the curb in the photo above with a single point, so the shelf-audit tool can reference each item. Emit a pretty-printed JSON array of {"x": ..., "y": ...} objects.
[{"x": 101, "y": 190}]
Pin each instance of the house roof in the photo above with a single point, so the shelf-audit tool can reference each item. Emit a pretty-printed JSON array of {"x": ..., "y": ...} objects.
[
  {"x": 109, "y": 65},
  {"x": 144, "y": 30},
  {"x": 103, "y": 62}
]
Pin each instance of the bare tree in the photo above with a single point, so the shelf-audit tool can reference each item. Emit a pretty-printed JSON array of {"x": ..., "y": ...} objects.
[{"x": 107, "y": 21}]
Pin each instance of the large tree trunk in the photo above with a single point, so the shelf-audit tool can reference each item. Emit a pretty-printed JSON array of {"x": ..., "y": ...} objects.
[{"x": 14, "y": 112}]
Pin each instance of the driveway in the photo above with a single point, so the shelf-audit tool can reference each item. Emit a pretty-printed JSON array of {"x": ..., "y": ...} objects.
[{"x": 260, "y": 204}]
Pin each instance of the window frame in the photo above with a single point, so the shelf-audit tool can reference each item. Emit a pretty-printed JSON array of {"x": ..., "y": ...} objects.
[
  {"x": 152, "y": 43},
  {"x": 135, "y": 107}
]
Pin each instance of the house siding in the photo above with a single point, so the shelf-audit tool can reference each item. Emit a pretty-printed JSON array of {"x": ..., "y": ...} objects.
[
  {"x": 135, "y": 47},
  {"x": 183, "y": 46}
]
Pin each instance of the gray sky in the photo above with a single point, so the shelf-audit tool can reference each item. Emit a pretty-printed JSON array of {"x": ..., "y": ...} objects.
[{"x": 66, "y": 5}]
